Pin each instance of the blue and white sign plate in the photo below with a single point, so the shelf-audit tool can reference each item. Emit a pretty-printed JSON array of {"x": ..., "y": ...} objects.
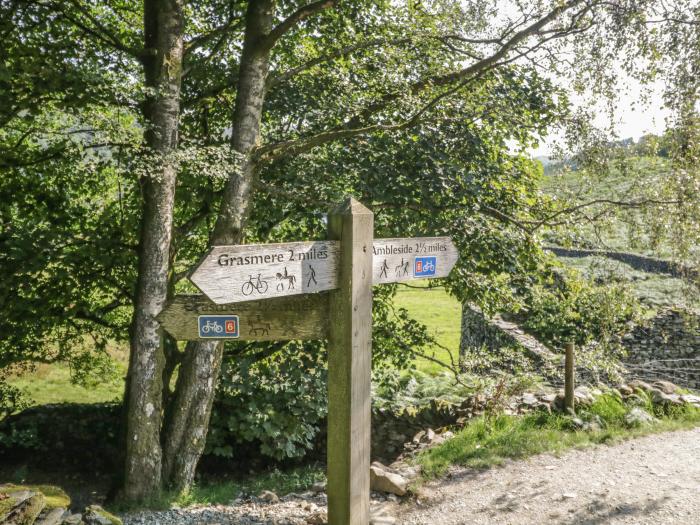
[
  {"x": 218, "y": 326},
  {"x": 424, "y": 266}
]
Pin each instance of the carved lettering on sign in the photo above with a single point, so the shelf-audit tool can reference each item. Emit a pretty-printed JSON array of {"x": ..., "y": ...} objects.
[
  {"x": 229, "y": 274},
  {"x": 192, "y": 317}
]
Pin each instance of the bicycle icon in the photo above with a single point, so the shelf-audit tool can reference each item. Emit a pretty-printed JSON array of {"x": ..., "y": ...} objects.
[
  {"x": 212, "y": 326},
  {"x": 429, "y": 267},
  {"x": 254, "y": 285}
]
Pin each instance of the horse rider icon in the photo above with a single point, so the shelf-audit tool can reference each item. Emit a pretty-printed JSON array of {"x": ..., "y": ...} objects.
[{"x": 312, "y": 277}]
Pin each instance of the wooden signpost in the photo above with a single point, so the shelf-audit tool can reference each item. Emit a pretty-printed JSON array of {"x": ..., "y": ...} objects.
[
  {"x": 286, "y": 318},
  {"x": 253, "y": 292}
]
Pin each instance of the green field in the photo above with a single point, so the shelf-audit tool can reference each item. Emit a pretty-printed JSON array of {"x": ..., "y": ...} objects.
[
  {"x": 441, "y": 313},
  {"x": 654, "y": 290},
  {"x": 624, "y": 229},
  {"x": 52, "y": 384},
  {"x": 430, "y": 306}
]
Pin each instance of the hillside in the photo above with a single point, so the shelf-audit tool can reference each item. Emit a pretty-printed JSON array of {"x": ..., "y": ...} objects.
[{"x": 618, "y": 229}]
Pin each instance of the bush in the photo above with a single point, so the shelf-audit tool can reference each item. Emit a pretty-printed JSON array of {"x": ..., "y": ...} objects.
[
  {"x": 565, "y": 307},
  {"x": 64, "y": 435},
  {"x": 277, "y": 403},
  {"x": 12, "y": 399},
  {"x": 273, "y": 398}
]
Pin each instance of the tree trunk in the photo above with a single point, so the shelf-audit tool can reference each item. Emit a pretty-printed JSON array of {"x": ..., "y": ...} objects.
[
  {"x": 164, "y": 27},
  {"x": 188, "y": 420}
]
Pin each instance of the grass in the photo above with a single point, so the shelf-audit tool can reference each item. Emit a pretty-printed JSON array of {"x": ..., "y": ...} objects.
[
  {"x": 652, "y": 289},
  {"x": 441, "y": 313},
  {"x": 280, "y": 482},
  {"x": 489, "y": 441},
  {"x": 52, "y": 384},
  {"x": 627, "y": 230}
]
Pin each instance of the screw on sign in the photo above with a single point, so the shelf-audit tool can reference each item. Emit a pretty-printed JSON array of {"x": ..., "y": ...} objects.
[{"x": 262, "y": 284}]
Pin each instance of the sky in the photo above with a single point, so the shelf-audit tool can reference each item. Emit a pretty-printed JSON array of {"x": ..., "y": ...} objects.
[{"x": 634, "y": 117}]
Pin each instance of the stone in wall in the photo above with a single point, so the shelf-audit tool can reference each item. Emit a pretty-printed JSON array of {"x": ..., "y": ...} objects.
[
  {"x": 666, "y": 347},
  {"x": 497, "y": 344}
]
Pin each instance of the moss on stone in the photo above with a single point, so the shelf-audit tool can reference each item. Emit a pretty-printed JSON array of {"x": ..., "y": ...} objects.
[
  {"x": 31, "y": 509},
  {"x": 96, "y": 509},
  {"x": 6, "y": 505},
  {"x": 28, "y": 509},
  {"x": 54, "y": 496}
]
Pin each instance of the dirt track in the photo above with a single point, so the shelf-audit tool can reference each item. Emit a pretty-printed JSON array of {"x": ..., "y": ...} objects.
[{"x": 655, "y": 479}]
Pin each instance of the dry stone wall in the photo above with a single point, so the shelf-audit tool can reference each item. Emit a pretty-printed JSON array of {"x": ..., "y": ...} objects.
[
  {"x": 490, "y": 340},
  {"x": 666, "y": 347}
]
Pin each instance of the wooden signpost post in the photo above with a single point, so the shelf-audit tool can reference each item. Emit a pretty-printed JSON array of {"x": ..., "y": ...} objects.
[{"x": 254, "y": 292}]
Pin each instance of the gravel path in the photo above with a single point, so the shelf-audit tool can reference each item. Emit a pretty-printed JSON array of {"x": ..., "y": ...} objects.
[
  {"x": 654, "y": 479},
  {"x": 650, "y": 480}
]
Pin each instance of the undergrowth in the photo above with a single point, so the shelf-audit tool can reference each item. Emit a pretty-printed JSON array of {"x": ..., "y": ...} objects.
[
  {"x": 225, "y": 492},
  {"x": 490, "y": 440}
]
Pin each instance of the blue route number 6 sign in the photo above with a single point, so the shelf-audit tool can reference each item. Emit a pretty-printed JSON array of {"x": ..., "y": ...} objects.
[{"x": 218, "y": 326}]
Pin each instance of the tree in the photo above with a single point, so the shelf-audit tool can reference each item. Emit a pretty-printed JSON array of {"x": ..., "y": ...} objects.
[
  {"x": 296, "y": 87},
  {"x": 649, "y": 42}
]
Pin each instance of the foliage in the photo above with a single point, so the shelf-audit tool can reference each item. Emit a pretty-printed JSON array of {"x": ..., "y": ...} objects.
[
  {"x": 275, "y": 395},
  {"x": 418, "y": 390},
  {"x": 12, "y": 399},
  {"x": 63, "y": 435},
  {"x": 565, "y": 307},
  {"x": 485, "y": 442},
  {"x": 277, "y": 402},
  {"x": 654, "y": 44},
  {"x": 446, "y": 174},
  {"x": 422, "y": 113}
]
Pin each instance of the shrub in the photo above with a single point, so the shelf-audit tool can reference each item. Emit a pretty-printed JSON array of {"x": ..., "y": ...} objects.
[
  {"x": 273, "y": 397},
  {"x": 277, "y": 402},
  {"x": 566, "y": 307}
]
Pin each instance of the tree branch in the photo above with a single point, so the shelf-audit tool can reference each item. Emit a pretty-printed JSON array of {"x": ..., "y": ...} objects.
[
  {"x": 357, "y": 125},
  {"x": 294, "y": 19},
  {"x": 280, "y": 149},
  {"x": 278, "y": 78},
  {"x": 473, "y": 69},
  {"x": 96, "y": 29}
]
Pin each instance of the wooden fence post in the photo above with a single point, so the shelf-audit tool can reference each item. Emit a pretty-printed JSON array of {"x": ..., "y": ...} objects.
[
  {"x": 569, "y": 377},
  {"x": 349, "y": 366}
]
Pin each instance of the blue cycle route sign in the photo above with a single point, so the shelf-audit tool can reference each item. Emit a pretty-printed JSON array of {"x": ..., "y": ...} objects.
[
  {"x": 424, "y": 266},
  {"x": 218, "y": 326}
]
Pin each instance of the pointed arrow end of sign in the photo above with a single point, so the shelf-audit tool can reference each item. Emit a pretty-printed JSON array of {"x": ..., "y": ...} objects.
[{"x": 193, "y": 274}]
